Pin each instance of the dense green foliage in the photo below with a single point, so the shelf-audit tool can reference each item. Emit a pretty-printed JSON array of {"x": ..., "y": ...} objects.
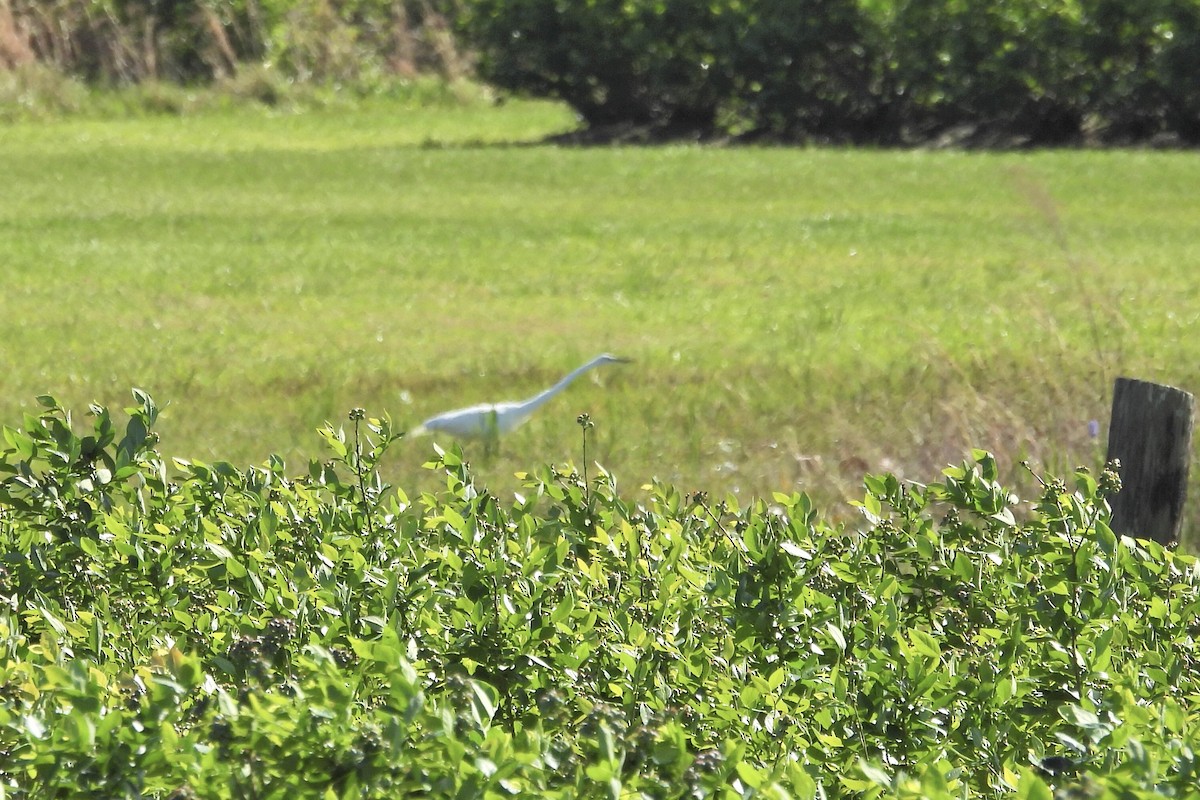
[
  {"x": 878, "y": 71},
  {"x": 887, "y": 71},
  {"x": 197, "y": 630},
  {"x": 681, "y": 63}
]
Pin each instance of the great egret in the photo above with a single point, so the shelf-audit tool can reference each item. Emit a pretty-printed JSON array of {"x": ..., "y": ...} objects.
[{"x": 489, "y": 420}]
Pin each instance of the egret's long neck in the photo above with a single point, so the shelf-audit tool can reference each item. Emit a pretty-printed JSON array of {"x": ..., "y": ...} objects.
[{"x": 539, "y": 399}]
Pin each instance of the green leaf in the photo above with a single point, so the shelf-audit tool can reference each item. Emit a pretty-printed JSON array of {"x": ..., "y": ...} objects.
[
  {"x": 1031, "y": 787},
  {"x": 219, "y": 550},
  {"x": 924, "y": 644},
  {"x": 21, "y": 443},
  {"x": 563, "y": 610},
  {"x": 85, "y": 731},
  {"x": 751, "y": 776},
  {"x": 836, "y": 633},
  {"x": 874, "y": 774},
  {"x": 134, "y": 439},
  {"x": 34, "y": 726},
  {"x": 795, "y": 550},
  {"x": 484, "y": 701},
  {"x": 1005, "y": 516}
]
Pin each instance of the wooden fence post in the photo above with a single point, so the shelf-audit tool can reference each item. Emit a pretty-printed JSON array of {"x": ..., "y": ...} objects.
[{"x": 1151, "y": 434}]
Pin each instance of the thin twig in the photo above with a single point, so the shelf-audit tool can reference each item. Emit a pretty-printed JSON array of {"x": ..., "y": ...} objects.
[{"x": 356, "y": 415}]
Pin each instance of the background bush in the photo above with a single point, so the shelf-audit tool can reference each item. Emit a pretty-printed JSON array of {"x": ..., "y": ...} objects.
[
  {"x": 129, "y": 41},
  {"x": 886, "y": 71},
  {"x": 613, "y": 61},
  {"x": 883, "y": 71},
  {"x": 765, "y": 63},
  {"x": 803, "y": 70}
]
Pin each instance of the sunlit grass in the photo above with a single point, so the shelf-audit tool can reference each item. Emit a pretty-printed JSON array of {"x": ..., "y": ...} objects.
[{"x": 797, "y": 316}]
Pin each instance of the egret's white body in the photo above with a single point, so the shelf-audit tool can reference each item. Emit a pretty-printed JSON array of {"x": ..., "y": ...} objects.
[{"x": 489, "y": 420}]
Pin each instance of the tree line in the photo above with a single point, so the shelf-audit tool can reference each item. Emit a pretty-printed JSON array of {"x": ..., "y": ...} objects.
[{"x": 886, "y": 72}]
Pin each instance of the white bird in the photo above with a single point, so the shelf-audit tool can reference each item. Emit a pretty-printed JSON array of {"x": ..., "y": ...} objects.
[{"x": 489, "y": 420}]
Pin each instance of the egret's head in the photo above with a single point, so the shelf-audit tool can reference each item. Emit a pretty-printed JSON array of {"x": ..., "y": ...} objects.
[{"x": 609, "y": 358}]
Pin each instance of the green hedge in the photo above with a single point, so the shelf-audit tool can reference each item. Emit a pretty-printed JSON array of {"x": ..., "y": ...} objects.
[
  {"x": 886, "y": 71},
  {"x": 201, "y": 631}
]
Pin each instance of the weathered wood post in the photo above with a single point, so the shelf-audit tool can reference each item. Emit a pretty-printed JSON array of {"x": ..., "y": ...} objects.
[{"x": 1151, "y": 434}]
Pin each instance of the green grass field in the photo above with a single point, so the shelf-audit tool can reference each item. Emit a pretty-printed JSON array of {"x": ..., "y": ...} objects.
[{"x": 798, "y": 316}]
